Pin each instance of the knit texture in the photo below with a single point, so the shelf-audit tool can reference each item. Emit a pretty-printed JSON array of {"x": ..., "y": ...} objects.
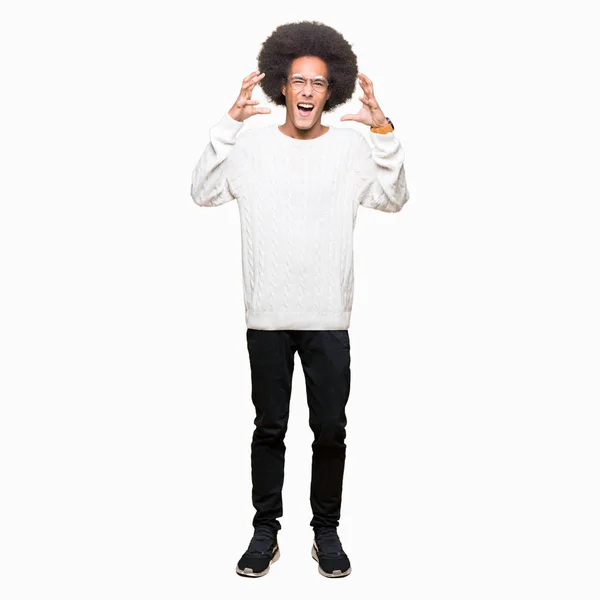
[{"x": 298, "y": 201}]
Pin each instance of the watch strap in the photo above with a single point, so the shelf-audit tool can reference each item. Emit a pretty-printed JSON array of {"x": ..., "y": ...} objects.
[{"x": 385, "y": 129}]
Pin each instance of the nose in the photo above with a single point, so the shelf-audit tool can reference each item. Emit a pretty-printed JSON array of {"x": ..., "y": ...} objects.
[{"x": 310, "y": 88}]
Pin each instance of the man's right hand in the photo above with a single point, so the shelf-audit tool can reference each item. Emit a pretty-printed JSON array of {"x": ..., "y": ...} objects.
[{"x": 244, "y": 106}]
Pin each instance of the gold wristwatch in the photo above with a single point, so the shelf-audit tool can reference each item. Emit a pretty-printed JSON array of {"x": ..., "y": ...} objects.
[{"x": 385, "y": 129}]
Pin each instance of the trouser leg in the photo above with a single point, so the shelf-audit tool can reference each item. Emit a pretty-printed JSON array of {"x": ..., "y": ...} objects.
[
  {"x": 272, "y": 364},
  {"x": 325, "y": 357}
]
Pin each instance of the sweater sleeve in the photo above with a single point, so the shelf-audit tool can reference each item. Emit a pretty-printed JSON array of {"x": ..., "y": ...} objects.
[
  {"x": 210, "y": 177},
  {"x": 379, "y": 172}
]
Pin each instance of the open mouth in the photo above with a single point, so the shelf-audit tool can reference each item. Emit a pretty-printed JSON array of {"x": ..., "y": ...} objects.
[{"x": 305, "y": 108}]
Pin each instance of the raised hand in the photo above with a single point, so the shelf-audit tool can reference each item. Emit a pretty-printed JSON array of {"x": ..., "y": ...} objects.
[
  {"x": 244, "y": 106},
  {"x": 370, "y": 112}
]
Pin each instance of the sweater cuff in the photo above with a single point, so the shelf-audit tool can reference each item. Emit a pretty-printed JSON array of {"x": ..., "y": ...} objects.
[
  {"x": 228, "y": 127},
  {"x": 385, "y": 141}
]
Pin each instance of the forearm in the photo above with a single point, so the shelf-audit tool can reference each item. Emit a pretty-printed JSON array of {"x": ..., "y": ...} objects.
[{"x": 209, "y": 185}]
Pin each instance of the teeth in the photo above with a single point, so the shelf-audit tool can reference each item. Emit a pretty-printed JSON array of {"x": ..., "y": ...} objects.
[{"x": 306, "y": 105}]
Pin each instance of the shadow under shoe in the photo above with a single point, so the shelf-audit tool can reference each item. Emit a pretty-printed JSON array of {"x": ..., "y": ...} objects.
[
  {"x": 262, "y": 551},
  {"x": 328, "y": 552}
]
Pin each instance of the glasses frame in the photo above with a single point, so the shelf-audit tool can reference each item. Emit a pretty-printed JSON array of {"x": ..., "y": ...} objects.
[{"x": 311, "y": 80}]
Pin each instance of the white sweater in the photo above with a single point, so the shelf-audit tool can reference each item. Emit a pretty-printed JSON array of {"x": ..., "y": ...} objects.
[{"x": 298, "y": 201}]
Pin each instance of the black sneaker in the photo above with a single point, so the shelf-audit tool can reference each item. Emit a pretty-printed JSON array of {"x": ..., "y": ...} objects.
[
  {"x": 328, "y": 552},
  {"x": 262, "y": 551}
]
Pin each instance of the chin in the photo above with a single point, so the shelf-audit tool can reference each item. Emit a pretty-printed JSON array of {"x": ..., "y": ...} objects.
[{"x": 301, "y": 123}]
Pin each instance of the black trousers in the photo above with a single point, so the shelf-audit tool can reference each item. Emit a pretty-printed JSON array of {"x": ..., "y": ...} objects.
[{"x": 325, "y": 357}]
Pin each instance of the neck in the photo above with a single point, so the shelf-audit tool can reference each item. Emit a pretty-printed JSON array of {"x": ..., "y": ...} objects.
[{"x": 314, "y": 131}]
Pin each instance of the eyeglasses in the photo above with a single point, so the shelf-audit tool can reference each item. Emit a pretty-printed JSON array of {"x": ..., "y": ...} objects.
[{"x": 319, "y": 84}]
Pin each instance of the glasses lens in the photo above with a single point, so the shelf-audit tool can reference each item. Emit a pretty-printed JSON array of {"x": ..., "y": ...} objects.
[{"x": 298, "y": 83}]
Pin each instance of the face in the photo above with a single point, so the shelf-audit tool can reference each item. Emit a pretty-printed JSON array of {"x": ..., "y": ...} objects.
[{"x": 310, "y": 67}]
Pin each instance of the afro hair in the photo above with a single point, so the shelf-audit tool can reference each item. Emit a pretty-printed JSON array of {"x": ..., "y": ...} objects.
[{"x": 308, "y": 38}]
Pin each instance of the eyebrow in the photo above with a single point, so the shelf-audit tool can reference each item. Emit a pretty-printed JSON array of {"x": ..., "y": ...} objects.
[{"x": 300, "y": 75}]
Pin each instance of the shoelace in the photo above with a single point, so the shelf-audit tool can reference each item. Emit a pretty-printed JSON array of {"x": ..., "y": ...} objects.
[
  {"x": 328, "y": 541},
  {"x": 262, "y": 541}
]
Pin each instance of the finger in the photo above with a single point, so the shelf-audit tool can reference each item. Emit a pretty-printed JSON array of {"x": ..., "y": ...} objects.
[
  {"x": 366, "y": 83},
  {"x": 251, "y": 75},
  {"x": 246, "y": 91},
  {"x": 247, "y": 79},
  {"x": 248, "y": 87},
  {"x": 253, "y": 81}
]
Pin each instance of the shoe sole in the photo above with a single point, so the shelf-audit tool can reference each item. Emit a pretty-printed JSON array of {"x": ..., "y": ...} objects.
[
  {"x": 247, "y": 572},
  {"x": 336, "y": 573}
]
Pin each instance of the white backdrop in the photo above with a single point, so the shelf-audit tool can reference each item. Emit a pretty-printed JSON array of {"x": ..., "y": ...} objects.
[{"x": 472, "y": 460}]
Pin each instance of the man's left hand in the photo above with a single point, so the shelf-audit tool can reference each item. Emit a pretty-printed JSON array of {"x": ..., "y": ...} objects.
[{"x": 370, "y": 113}]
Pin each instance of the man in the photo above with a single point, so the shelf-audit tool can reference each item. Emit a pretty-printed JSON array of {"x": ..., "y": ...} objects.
[{"x": 298, "y": 187}]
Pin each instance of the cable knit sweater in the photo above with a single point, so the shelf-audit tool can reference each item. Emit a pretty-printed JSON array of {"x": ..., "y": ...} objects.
[{"x": 297, "y": 202}]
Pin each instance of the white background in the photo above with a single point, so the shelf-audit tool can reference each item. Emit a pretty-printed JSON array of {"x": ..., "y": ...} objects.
[{"x": 126, "y": 420}]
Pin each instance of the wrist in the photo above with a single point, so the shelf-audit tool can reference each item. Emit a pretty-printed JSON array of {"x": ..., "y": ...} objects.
[
  {"x": 385, "y": 128},
  {"x": 236, "y": 117}
]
